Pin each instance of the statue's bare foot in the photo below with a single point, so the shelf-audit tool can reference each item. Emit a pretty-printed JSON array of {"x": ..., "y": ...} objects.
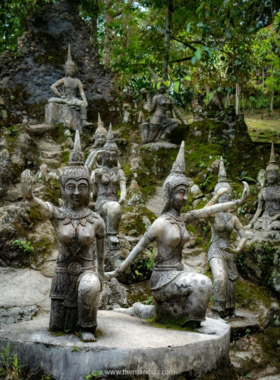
[
  {"x": 238, "y": 315},
  {"x": 113, "y": 238},
  {"x": 87, "y": 336}
]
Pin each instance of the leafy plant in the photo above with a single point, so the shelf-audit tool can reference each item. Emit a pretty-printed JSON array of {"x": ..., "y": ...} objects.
[
  {"x": 244, "y": 177},
  {"x": 76, "y": 349},
  {"x": 95, "y": 375},
  {"x": 9, "y": 363},
  {"x": 26, "y": 246}
]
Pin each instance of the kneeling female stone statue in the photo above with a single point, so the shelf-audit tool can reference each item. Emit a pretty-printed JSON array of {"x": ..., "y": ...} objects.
[
  {"x": 179, "y": 296},
  {"x": 75, "y": 286}
]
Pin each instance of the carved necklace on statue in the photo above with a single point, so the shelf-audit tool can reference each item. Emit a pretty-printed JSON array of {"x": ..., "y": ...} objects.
[
  {"x": 225, "y": 216},
  {"x": 178, "y": 220}
]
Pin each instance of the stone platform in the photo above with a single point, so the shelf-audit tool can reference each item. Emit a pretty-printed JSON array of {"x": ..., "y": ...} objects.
[{"x": 124, "y": 343}]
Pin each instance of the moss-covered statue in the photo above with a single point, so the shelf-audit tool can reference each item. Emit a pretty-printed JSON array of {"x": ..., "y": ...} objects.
[
  {"x": 267, "y": 216},
  {"x": 67, "y": 90},
  {"x": 161, "y": 124},
  {"x": 180, "y": 296},
  {"x": 99, "y": 141},
  {"x": 76, "y": 286},
  {"x": 221, "y": 254},
  {"x": 107, "y": 181}
]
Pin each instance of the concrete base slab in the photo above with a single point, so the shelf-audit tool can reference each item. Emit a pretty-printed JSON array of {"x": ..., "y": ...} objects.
[{"x": 126, "y": 346}]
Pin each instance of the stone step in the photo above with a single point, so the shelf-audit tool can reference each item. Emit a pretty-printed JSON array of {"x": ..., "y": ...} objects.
[{"x": 50, "y": 154}]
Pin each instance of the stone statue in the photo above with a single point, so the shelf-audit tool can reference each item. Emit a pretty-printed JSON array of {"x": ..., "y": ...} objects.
[
  {"x": 180, "y": 296},
  {"x": 268, "y": 200},
  {"x": 221, "y": 254},
  {"x": 67, "y": 90},
  {"x": 161, "y": 124},
  {"x": 100, "y": 139},
  {"x": 6, "y": 171},
  {"x": 107, "y": 180},
  {"x": 75, "y": 286}
]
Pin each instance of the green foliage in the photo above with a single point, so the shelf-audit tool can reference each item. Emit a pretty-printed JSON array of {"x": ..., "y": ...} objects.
[
  {"x": 22, "y": 244},
  {"x": 76, "y": 349},
  {"x": 9, "y": 363},
  {"x": 95, "y": 374}
]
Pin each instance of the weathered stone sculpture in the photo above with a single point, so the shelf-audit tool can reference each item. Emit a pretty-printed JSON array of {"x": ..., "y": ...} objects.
[
  {"x": 221, "y": 253},
  {"x": 6, "y": 171},
  {"x": 180, "y": 296},
  {"x": 268, "y": 199},
  {"x": 161, "y": 124},
  {"x": 76, "y": 286},
  {"x": 66, "y": 108},
  {"x": 100, "y": 139},
  {"x": 107, "y": 180}
]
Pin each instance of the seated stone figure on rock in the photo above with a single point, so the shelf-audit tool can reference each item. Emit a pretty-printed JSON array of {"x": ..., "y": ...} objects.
[
  {"x": 100, "y": 140},
  {"x": 221, "y": 254},
  {"x": 161, "y": 124},
  {"x": 180, "y": 297},
  {"x": 76, "y": 286},
  {"x": 107, "y": 180},
  {"x": 67, "y": 90},
  {"x": 267, "y": 216}
]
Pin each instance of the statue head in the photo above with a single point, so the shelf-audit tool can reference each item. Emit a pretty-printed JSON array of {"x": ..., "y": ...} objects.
[
  {"x": 100, "y": 133},
  {"x": 272, "y": 170},
  {"x": 162, "y": 89},
  {"x": 223, "y": 183},
  {"x": 70, "y": 67},
  {"x": 110, "y": 157},
  {"x": 75, "y": 179},
  {"x": 176, "y": 186}
]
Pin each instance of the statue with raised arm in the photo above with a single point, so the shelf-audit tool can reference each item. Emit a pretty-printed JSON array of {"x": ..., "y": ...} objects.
[
  {"x": 76, "y": 286},
  {"x": 222, "y": 254},
  {"x": 267, "y": 216},
  {"x": 67, "y": 91},
  {"x": 180, "y": 297},
  {"x": 161, "y": 124},
  {"x": 100, "y": 140},
  {"x": 107, "y": 180}
]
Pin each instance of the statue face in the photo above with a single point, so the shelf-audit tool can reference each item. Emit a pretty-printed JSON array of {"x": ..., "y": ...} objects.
[
  {"x": 77, "y": 192},
  {"x": 110, "y": 159},
  {"x": 179, "y": 197},
  {"x": 272, "y": 176},
  {"x": 162, "y": 89},
  {"x": 100, "y": 139},
  {"x": 70, "y": 69},
  {"x": 227, "y": 197}
]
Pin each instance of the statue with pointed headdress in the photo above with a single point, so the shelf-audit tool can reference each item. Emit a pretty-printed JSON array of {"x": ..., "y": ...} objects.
[
  {"x": 99, "y": 141},
  {"x": 107, "y": 180},
  {"x": 267, "y": 216},
  {"x": 179, "y": 296},
  {"x": 76, "y": 286},
  {"x": 69, "y": 88},
  {"x": 222, "y": 254},
  {"x": 161, "y": 123}
]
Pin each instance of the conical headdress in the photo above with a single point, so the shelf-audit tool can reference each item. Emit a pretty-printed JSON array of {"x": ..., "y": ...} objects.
[
  {"x": 69, "y": 57},
  {"x": 75, "y": 169},
  {"x": 110, "y": 145},
  {"x": 176, "y": 177},
  {"x": 272, "y": 162},
  {"x": 100, "y": 127},
  {"x": 155, "y": 77},
  {"x": 222, "y": 175}
]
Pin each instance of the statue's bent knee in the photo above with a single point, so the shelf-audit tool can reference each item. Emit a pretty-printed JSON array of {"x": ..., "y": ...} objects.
[{"x": 88, "y": 290}]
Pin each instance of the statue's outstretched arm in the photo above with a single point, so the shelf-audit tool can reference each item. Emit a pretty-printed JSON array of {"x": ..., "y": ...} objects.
[
  {"x": 258, "y": 212},
  {"x": 46, "y": 209},
  {"x": 100, "y": 236},
  {"x": 90, "y": 162},
  {"x": 122, "y": 187},
  {"x": 82, "y": 93},
  {"x": 243, "y": 238},
  {"x": 217, "y": 196},
  {"x": 206, "y": 212},
  {"x": 177, "y": 113},
  {"x": 143, "y": 243},
  {"x": 54, "y": 86}
]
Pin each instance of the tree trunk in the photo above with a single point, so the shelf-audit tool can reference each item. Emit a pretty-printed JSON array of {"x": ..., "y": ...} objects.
[
  {"x": 237, "y": 109},
  {"x": 228, "y": 99},
  {"x": 167, "y": 40},
  {"x": 94, "y": 25},
  {"x": 108, "y": 33},
  {"x": 271, "y": 102}
]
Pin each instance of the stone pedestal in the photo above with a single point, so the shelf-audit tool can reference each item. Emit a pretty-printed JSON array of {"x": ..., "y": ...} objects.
[
  {"x": 126, "y": 348},
  {"x": 70, "y": 117}
]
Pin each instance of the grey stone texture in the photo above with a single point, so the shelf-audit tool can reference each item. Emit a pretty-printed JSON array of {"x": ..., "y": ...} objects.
[
  {"x": 55, "y": 112},
  {"x": 26, "y": 76},
  {"x": 123, "y": 343}
]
